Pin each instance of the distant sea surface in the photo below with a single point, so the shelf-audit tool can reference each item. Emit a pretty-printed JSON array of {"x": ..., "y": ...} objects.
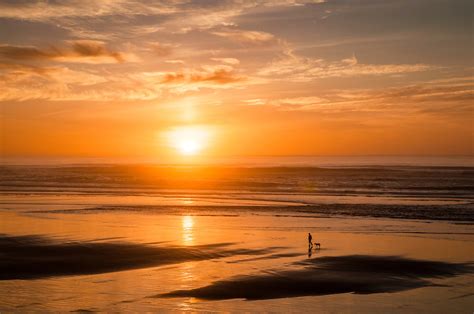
[
  {"x": 261, "y": 161},
  {"x": 438, "y": 188}
]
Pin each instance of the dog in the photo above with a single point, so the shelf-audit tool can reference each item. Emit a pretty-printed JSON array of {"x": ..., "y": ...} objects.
[{"x": 317, "y": 245}]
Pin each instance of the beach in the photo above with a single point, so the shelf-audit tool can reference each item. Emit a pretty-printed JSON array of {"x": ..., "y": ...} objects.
[{"x": 110, "y": 239}]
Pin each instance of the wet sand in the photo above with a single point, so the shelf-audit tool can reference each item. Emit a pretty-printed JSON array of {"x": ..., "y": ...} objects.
[
  {"x": 198, "y": 260},
  {"x": 330, "y": 275}
]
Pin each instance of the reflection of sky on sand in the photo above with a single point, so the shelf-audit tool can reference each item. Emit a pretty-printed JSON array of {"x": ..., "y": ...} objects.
[
  {"x": 187, "y": 280},
  {"x": 188, "y": 229}
]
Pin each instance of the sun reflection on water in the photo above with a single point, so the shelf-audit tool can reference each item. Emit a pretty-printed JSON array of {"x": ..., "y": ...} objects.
[
  {"x": 187, "y": 269},
  {"x": 188, "y": 229},
  {"x": 187, "y": 201}
]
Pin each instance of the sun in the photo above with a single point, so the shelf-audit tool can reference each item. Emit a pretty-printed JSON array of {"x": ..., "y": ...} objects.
[
  {"x": 188, "y": 140},
  {"x": 188, "y": 146}
]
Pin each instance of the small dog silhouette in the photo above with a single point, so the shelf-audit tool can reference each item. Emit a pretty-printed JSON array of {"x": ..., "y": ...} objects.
[{"x": 317, "y": 245}]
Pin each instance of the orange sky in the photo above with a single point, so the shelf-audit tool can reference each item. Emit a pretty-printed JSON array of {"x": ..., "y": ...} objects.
[{"x": 198, "y": 79}]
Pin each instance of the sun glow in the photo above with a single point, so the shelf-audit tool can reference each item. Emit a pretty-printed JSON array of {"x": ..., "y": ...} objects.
[
  {"x": 188, "y": 146},
  {"x": 188, "y": 229},
  {"x": 188, "y": 140}
]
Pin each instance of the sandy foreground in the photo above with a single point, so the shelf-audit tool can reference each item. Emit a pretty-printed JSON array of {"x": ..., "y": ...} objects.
[{"x": 70, "y": 258}]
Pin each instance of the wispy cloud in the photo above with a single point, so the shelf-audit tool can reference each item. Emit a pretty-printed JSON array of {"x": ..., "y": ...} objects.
[
  {"x": 63, "y": 83},
  {"x": 231, "y": 61},
  {"x": 219, "y": 75},
  {"x": 161, "y": 49},
  {"x": 296, "y": 68},
  {"x": 453, "y": 96},
  {"x": 179, "y": 16},
  {"x": 214, "y": 77},
  {"x": 41, "y": 10},
  {"x": 68, "y": 8},
  {"x": 246, "y": 36},
  {"x": 43, "y": 82},
  {"x": 79, "y": 51}
]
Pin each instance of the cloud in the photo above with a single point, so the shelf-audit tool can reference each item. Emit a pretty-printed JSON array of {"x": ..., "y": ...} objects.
[
  {"x": 231, "y": 61},
  {"x": 301, "y": 69},
  {"x": 78, "y": 51},
  {"x": 42, "y": 10},
  {"x": 301, "y": 101},
  {"x": 87, "y": 49},
  {"x": 177, "y": 61},
  {"x": 447, "y": 97},
  {"x": 22, "y": 53},
  {"x": 221, "y": 76},
  {"x": 308, "y": 103},
  {"x": 105, "y": 19},
  {"x": 44, "y": 82},
  {"x": 255, "y": 102},
  {"x": 160, "y": 49},
  {"x": 431, "y": 92},
  {"x": 60, "y": 74},
  {"x": 63, "y": 83},
  {"x": 56, "y": 83},
  {"x": 247, "y": 37}
]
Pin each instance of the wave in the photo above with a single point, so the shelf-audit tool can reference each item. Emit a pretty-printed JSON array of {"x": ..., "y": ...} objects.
[{"x": 455, "y": 213}]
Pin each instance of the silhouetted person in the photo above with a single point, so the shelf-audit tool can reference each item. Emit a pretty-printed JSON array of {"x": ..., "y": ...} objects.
[{"x": 310, "y": 240}]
